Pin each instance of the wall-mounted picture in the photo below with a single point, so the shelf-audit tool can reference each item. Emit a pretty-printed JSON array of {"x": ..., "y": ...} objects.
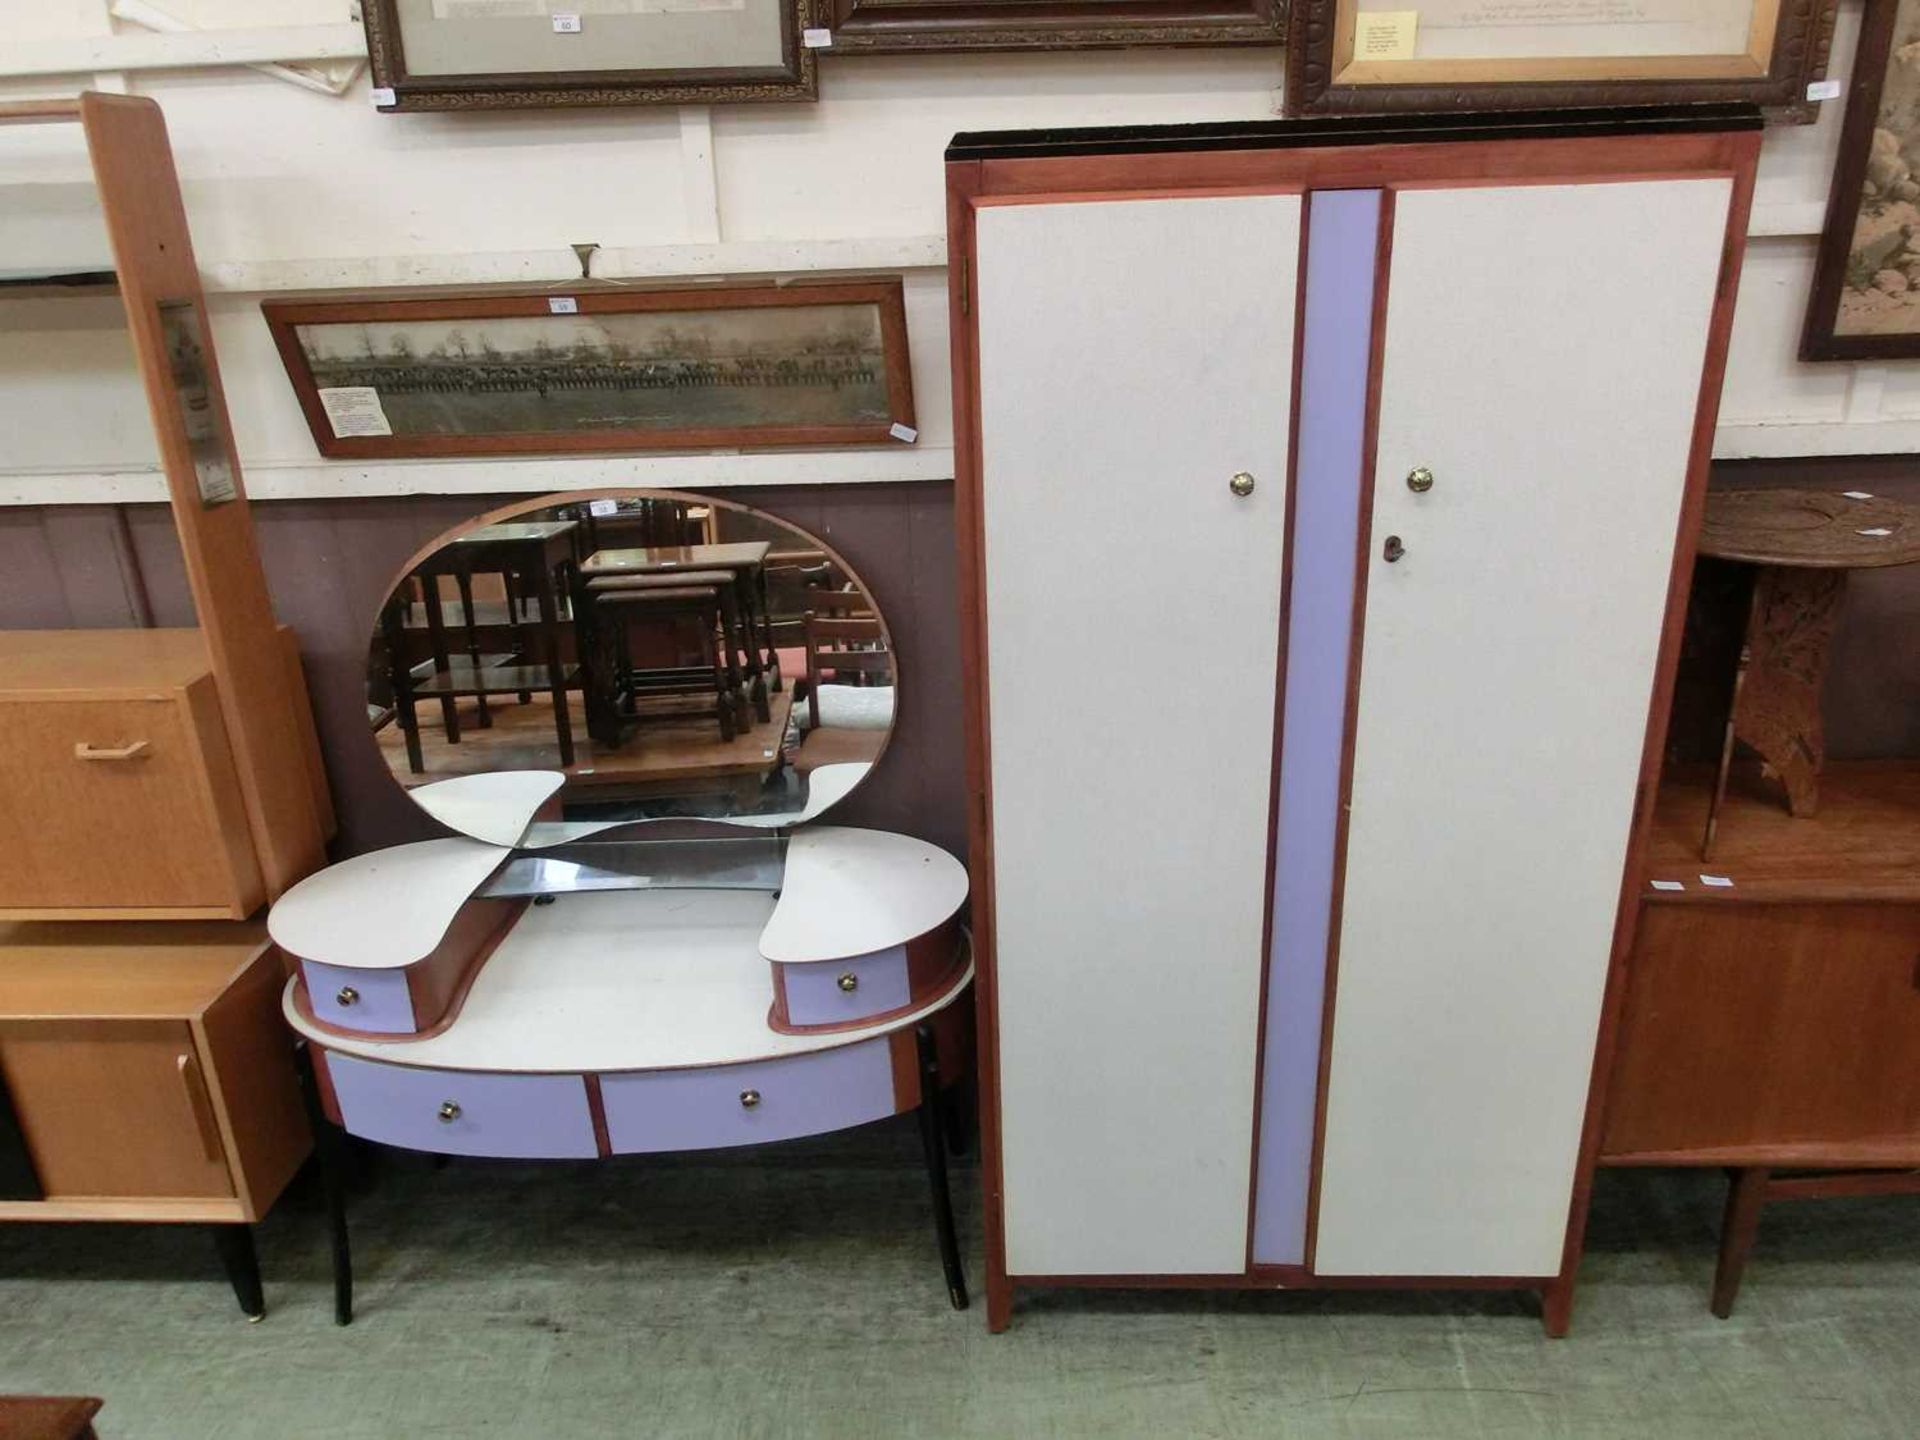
[
  {"x": 869, "y": 27},
  {"x": 1377, "y": 56},
  {"x": 721, "y": 366},
  {"x": 537, "y": 54},
  {"x": 1865, "y": 302}
]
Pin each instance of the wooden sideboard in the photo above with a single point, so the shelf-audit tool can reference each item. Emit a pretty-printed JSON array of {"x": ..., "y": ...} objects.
[
  {"x": 1773, "y": 1022},
  {"x": 144, "y": 1076}
]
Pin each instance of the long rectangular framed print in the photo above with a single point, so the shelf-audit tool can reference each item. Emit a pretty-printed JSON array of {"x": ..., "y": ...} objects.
[
  {"x": 720, "y": 366},
  {"x": 1865, "y": 301},
  {"x": 533, "y": 54},
  {"x": 1357, "y": 56},
  {"x": 867, "y": 27}
]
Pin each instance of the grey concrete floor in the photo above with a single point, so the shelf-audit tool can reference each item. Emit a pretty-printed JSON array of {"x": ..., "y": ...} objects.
[{"x": 795, "y": 1291}]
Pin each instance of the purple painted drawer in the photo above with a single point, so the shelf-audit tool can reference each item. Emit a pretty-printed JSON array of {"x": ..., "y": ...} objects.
[
  {"x": 749, "y": 1104},
  {"x": 838, "y": 992},
  {"x": 462, "y": 1112},
  {"x": 372, "y": 1000}
]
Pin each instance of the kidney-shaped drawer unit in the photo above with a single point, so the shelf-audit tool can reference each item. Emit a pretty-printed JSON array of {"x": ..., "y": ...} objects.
[
  {"x": 867, "y": 927},
  {"x": 389, "y": 942},
  {"x": 463, "y": 1112}
]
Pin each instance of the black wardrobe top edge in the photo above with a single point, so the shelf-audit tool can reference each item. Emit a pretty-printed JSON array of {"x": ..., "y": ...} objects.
[{"x": 1354, "y": 130}]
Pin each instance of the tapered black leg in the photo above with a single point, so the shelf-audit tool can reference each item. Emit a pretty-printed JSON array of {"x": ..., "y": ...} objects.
[
  {"x": 235, "y": 1244},
  {"x": 961, "y": 1110},
  {"x": 932, "y": 1141},
  {"x": 330, "y": 1155}
]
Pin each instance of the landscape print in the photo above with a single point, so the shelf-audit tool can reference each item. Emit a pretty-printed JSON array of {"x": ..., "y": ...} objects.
[
  {"x": 1880, "y": 287},
  {"x": 767, "y": 366}
]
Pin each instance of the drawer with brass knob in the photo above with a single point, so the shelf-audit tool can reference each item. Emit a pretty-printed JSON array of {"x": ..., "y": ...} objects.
[
  {"x": 848, "y": 991},
  {"x": 452, "y": 1112},
  {"x": 373, "y": 1002}
]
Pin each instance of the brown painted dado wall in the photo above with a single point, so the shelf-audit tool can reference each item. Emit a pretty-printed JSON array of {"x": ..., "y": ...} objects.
[{"x": 329, "y": 562}]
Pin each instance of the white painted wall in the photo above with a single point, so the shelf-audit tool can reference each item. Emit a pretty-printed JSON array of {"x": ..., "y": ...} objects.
[{"x": 291, "y": 190}]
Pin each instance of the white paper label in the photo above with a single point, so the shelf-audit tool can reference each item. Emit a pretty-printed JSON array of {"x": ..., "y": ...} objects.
[
  {"x": 1877, "y": 532},
  {"x": 354, "y": 410},
  {"x": 1718, "y": 882},
  {"x": 1857, "y": 494},
  {"x": 816, "y": 39},
  {"x": 1668, "y": 884},
  {"x": 566, "y": 24},
  {"x": 1824, "y": 90},
  {"x": 903, "y": 432},
  {"x": 382, "y": 97},
  {"x": 603, "y": 507},
  {"x": 562, "y": 305}
]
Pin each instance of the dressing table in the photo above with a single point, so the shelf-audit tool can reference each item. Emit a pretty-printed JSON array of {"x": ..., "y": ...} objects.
[{"x": 649, "y": 947}]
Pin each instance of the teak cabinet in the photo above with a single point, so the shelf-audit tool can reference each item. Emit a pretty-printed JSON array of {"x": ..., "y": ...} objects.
[{"x": 1327, "y": 495}]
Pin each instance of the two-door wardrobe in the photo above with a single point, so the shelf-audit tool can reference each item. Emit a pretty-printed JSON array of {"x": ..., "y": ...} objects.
[{"x": 1327, "y": 494}]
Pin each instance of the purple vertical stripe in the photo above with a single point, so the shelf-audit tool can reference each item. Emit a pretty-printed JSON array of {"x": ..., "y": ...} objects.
[{"x": 1342, "y": 237}]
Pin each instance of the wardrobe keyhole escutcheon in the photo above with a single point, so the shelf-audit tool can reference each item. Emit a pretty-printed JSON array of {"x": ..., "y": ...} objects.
[{"x": 1393, "y": 549}]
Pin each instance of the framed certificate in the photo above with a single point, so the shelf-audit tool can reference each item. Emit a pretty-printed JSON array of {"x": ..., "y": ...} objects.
[
  {"x": 532, "y": 54},
  {"x": 1397, "y": 55}
]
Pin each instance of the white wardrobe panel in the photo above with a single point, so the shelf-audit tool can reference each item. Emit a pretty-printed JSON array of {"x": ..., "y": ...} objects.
[
  {"x": 1134, "y": 356},
  {"x": 1544, "y": 347}
]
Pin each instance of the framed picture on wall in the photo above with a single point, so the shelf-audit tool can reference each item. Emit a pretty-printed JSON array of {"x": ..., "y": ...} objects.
[
  {"x": 717, "y": 367},
  {"x": 866, "y": 27},
  {"x": 1375, "y": 56},
  {"x": 533, "y": 54},
  {"x": 1865, "y": 301}
]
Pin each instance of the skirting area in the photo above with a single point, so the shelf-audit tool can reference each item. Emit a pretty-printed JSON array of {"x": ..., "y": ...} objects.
[{"x": 795, "y": 1291}]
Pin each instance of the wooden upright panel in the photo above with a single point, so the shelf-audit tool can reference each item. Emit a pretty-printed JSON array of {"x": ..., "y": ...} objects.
[
  {"x": 1543, "y": 357},
  {"x": 153, "y": 255},
  {"x": 1134, "y": 357}
]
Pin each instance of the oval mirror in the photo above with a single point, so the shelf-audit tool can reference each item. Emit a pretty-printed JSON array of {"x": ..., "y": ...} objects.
[{"x": 660, "y": 655}]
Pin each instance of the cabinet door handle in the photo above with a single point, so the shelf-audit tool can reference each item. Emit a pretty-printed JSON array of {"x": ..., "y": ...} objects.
[
  {"x": 202, "y": 1106},
  {"x": 132, "y": 751}
]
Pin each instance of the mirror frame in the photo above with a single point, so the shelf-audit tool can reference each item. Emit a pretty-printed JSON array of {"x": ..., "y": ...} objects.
[{"x": 518, "y": 510}]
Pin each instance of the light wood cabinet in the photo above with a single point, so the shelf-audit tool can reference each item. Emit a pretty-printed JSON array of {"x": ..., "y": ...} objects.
[
  {"x": 123, "y": 798},
  {"x": 1319, "y": 606}
]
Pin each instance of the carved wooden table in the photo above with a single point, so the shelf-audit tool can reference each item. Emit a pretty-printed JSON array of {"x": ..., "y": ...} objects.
[{"x": 1801, "y": 544}]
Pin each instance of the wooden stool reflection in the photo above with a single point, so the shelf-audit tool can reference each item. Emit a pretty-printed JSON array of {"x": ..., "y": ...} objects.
[{"x": 628, "y": 686}]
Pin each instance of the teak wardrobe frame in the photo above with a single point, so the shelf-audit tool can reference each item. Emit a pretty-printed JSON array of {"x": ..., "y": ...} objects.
[
  {"x": 269, "y": 727},
  {"x": 1298, "y": 158}
]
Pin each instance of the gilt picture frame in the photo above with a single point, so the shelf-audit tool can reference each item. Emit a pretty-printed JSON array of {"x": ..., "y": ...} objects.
[
  {"x": 1864, "y": 303},
  {"x": 1401, "y": 56},
  {"x": 718, "y": 367},
  {"x": 889, "y": 27},
  {"x": 543, "y": 54}
]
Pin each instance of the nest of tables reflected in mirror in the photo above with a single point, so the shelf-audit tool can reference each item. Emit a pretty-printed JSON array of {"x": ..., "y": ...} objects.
[{"x": 671, "y": 655}]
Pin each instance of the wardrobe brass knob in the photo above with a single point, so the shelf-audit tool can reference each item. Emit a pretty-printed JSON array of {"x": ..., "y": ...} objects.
[
  {"x": 1419, "y": 479},
  {"x": 749, "y": 1099},
  {"x": 849, "y": 982},
  {"x": 449, "y": 1112},
  {"x": 348, "y": 995},
  {"x": 1241, "y": 484}
]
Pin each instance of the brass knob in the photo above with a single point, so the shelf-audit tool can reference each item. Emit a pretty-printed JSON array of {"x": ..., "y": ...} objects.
[
  {"x": 749, "y": 1099},
  {"x": 1393, "y": 549},
  {"x": 849, "y": 982},
  {"x": 348, "y": 995},
  {"x": 1241, "y": 484},
  {"x": 449, "y": 1112},
  {"x": 1419, "y": 479}
]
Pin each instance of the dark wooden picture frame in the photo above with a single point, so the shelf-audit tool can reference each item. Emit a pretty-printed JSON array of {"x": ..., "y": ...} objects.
[
  {"x": 1819, "y": 339},
  {"x": 1802, "y": 44},
  {"x": 875, "y": 27},
  {"x": 882, "y": 378},
  {"x": 795, "y": 78}
]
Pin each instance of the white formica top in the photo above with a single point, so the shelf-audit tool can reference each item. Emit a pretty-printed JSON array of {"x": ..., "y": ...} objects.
[
  {"x": 495, "y": 807},
  {"x": 384, "y": 909},
  {"x": 851, "y": 892},
  {"x": 620, "y": 980}
]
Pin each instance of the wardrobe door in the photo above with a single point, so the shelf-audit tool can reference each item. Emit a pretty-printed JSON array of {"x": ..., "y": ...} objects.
[
  {"x": 1135, "y": 357},
  {"x": 1543, "y": 355}
]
